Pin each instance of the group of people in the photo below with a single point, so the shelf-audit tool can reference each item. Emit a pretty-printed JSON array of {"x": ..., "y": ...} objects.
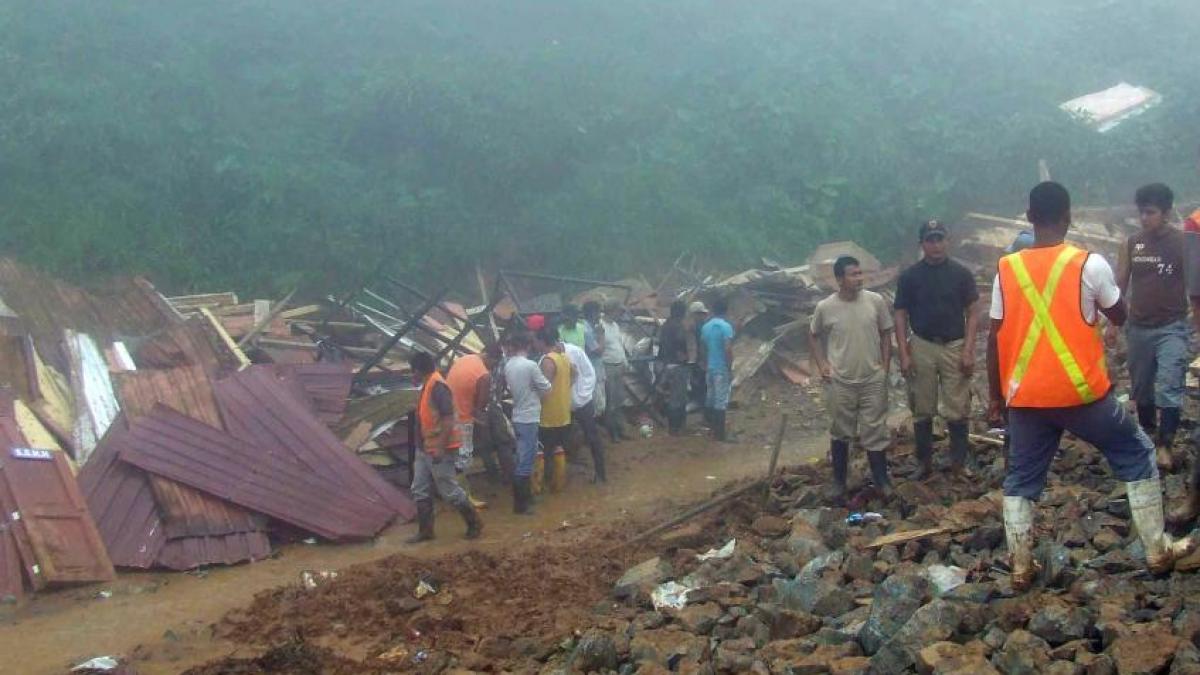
[
  {"x": 695, "y": 354},
  {"x": 560, "y": 377},
  {"x": 1047, "y": 371}
]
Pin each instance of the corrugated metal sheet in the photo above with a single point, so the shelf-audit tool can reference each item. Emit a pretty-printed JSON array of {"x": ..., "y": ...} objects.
[
  {"x": 122, "y": 503},
  {"x": 257, "y": 410},
  {"x": 12, "y": 580},
  {"x": 178, "y": 447},
  {"x": 200, "y": 529},
  {"x": 327, "y": 386}
]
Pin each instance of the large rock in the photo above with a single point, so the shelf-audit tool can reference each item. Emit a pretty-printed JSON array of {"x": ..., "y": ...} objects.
[
  {"x": 1144, "y": 653},
  {"x": 798, "y": 656},
  {"x": 819, "y": 596},
  {"x": 595, "y": 651},
  {"x": 935, "y": 622},
  {"x": 787, "y": 624},
  {"x": 894, "y": 602},
  {"x": 805, "y": 541},
  {"x": 642, "y": 578},
  {"x": 770, "y": 526},
  {"x": 1058, "y": 622},
  {"x": 664, "y": 646},
  {"x": 949, "y": 658},
  {"x": 699, "y": 619},
  {"x": 1023, "y": 654}
]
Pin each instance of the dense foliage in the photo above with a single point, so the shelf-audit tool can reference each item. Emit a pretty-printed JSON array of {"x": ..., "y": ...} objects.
[{"x": 239, "y": 145}]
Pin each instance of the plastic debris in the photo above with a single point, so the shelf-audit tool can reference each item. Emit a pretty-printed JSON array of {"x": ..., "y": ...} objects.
[
  {"x": 313, "y": 578},
  {"x": 722, "y": 553},
  {"x": 862, "y": 518},
  {"x": 103, "y": 595},
  {"x": 424, "y": 588},
  {"x": 100, "y": 663},
  {"x": 945, "y": 578},
  {"x": 420, "y": 657},
  {"x": 671, "y": 594}
]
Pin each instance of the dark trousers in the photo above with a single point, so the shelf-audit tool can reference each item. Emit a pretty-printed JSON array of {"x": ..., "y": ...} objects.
[
  {"x": 586, "y": 418},
  {"x": 1034, "y": 434}
]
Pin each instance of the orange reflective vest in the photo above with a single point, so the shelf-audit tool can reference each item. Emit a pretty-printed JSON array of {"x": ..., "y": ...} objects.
[
  {"x": 432, "y": 441},
  {"x": 1050, "y": 356}
]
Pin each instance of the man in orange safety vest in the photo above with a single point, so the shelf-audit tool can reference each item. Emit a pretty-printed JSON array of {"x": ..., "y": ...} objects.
[{"x": 1046, "y": 367}]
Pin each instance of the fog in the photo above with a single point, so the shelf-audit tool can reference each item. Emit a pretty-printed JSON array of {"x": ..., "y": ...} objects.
[{"x": 248, "y": 145}]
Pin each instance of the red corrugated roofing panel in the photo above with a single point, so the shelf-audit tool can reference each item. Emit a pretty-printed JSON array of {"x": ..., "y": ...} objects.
[
  {"x": 122, "y": 503},
  {"x": 259, "y": 411},
  {"x": 178, "y": 447},
  {"x": 224, "y": 533}
]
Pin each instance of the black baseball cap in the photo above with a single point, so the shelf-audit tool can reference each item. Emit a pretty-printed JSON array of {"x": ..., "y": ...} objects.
[{"x": 931, "y": 227}]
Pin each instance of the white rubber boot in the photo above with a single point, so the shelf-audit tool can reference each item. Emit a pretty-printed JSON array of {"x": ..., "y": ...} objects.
[
  {"x": 1145, "y": 503},
  {"x": 1018, "y": 530}
]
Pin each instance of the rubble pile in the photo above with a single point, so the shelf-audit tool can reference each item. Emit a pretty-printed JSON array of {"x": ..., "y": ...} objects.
[{"x": 917, "y": 582}]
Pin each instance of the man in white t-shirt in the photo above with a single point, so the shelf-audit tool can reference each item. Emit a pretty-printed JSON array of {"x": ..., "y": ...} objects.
[
  {"x": 1046, "y": 365},
  {"x": 583, "y": 405}
]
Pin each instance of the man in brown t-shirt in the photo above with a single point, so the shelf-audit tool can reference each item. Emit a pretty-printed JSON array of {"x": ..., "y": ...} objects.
[{"x": 1150, "y": 273}]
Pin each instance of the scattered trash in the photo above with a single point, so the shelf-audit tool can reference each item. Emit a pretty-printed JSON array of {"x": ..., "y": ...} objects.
[
  {"x": 424, "y": 588},
  {"x": 99, "y": 664},
  {"x": 310, "y": 541},
  {"x": 395, "y": 654},
  {"x": 722, "y": 553},
  {"x": 945, "y": 578},
  {"x": 710, "y": 478},
  {"x": 646, "y": 430},
  {"x": 863, "y": 518},
  {"x": 420, "y": 657},
  {"x": 311, "y": 578},
  {"x": 104, "y": 595},
  {"x": 670, "y": 594}
]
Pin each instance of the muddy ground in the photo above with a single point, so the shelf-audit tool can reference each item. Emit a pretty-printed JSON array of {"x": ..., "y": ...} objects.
[{"x": 531, "y": 576}]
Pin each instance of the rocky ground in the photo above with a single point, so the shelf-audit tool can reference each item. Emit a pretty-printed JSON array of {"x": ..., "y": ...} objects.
[{"x": 806, "y": 589}]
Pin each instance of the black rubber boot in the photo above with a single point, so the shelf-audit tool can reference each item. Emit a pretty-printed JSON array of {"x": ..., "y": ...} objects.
[
  {"x": 960, "y": 444},
  {"x": 839, "y": 457},
  {"x": 1168, "y": 425},
  {"x": 522, "y": 496},
  {"x": 1148, "y": 418},
  {"x": 471, "y": 518},
  {"x": 719, "y": 426},
  {"x": 879, "y": 472},
  {"x": 598, "y": 465},
  {"x": 424, "y": 522},
  {"x": 923, "y": 438}
]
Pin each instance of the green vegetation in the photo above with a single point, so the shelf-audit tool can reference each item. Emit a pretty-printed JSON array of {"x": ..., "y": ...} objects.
[{"x": 237, "y": 145}]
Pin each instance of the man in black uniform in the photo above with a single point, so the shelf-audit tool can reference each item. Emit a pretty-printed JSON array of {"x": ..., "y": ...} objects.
[{"x": 937, "y": 299}]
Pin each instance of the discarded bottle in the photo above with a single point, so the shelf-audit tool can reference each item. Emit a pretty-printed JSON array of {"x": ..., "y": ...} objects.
[{"x": 862, "y": 518}]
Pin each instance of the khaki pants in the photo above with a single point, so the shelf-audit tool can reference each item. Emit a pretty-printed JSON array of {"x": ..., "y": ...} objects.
[
  {"x": 938, "y": 376},
  {"x": 860, "y": 410}
]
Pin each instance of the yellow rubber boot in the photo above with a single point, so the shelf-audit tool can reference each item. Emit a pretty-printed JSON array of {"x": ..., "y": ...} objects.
[
  {"x": 559, "y": 480},
  {"x": 539, "y": 473}
]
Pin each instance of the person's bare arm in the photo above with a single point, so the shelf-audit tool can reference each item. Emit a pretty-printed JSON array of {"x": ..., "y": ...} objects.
[
  {"x": 549, "y": 369},
  {"x": 969, "y": 336},
  {"x": 483, "y": 393},
  {"x": 1124, "y": 274},
  {"x": 902, "y": 346},
  {"x": 885, "y": 348},
  {"x": 995, "y": 387},
  {"x": 816, "y": 352}
]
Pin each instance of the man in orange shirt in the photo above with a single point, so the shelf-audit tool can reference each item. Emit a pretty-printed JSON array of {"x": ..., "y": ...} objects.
[
  {"x": 1046, "y": 366},
  {"x": 438, "y": 443},
  {"x": 470, "y": 379}
]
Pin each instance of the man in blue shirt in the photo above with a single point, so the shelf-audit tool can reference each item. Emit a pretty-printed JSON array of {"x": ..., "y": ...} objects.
[{"x": 716, "y": 356}]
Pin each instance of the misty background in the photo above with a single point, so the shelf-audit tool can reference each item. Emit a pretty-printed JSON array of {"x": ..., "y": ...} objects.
[{"x": 244, "y": 145}]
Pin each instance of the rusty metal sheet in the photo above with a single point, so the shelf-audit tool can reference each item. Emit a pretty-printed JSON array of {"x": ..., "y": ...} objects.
[
  {"x": 229, "y": 549},
  {"x": 186, "y": 388},
  {"x": 43, "y": 498},
  {"x": 122, "y": 504},
  {"x": 178, "y": 447},
  {"x": 259, "y": 411}
]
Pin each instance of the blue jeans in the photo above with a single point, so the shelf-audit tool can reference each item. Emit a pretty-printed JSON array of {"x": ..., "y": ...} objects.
[
  {"x": 1158, "y": 359},
  {"x": 718, "y": 385},
  {"x": 527, "y": 442},
  {"x": 1035, "y": 432}
]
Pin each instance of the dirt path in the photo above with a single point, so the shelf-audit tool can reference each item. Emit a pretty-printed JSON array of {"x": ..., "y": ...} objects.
[{"x": 162, "y": 621}]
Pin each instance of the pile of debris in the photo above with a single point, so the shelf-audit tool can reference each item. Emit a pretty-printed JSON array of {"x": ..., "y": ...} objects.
[
  {"x": 779, "y": 583},
  {"x": 188, "y": 454}
]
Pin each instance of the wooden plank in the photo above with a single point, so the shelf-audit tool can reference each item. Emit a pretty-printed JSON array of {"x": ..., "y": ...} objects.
[
  {"x": 299, "y": 312},
  {"x": 208, "y": 300},
  {"x": 907, "y": 536},
  {"x": 60, "y": 530},
  {"x": 226, "y": 341},
  {"x": 260, "y": 324}
]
